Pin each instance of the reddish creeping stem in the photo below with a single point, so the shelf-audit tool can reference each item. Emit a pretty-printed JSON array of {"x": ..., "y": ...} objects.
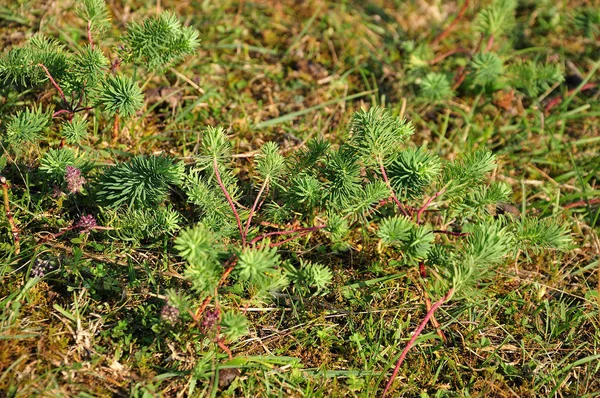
[{"x": 416, "y": 334}]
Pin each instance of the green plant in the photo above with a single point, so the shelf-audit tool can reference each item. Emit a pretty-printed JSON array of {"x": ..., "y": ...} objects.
[
  {"x": 141, "y": 182},
  {"x": 371, "y": 179},
  {"x": 302, "y": 243}
]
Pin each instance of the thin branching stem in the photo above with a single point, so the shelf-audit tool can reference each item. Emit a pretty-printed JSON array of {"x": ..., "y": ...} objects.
[
  {"x": 54, "y": 83},
  {"x": 449, "y": 28},
  {"x": 229, "y": 200},
  {"x": 490, "y": 43},
  {"x": 416, "y": 334},
  {"x": 445, "y": 55},
  {"x": 426, "y": 205},
  {"x": 253, "y": 210},
  {"x": 62, "y": 111},
  {"x": 89, "y": 34},
  {"x": 387, "y": 181}
]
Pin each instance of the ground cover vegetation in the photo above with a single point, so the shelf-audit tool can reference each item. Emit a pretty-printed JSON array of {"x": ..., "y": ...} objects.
[{"x": 255, "y": 198}]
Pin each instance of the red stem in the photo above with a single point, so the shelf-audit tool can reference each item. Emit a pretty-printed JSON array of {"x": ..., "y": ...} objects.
[
  {"x": 89, "y": 34},
  {"x": 416, "y": 334},
  {"x": 426, "y": 205},
  {"x": 229, "y": 200},
  {"x": 582, "y": 203},
  {"x": 558, "y": 100},
  {"x": 225, "y": 348},
  {"x": 60, "y": 112},
  {"x": 394, "y": 197},
  {"x": 490, "y": 43},
  {"x": 446, "y": 31},
  {"x": 62, "y": 95},
  {"x": 445, "y": 55},
  {"x": 253, "y": 210}
]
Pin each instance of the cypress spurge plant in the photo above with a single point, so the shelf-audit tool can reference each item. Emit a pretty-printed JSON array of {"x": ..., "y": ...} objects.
[
  {"x": 83, "y": 77},
  {"x": 86, "y": 85},
  {"x": 375, "y": 179}
]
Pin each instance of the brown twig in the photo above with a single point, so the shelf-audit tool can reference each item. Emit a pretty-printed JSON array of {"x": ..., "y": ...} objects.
[
  {"x": 449, "y": 28},
  {"x": 224, "y": 348},
  {"x": 11, "y": 221},
  {"x": 416, "y": 334}
]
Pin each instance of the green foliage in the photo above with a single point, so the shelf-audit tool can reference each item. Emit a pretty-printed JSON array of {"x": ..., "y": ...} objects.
[
  {"x": 55, "y": 161},
  {"x": 343, "y": 180},
  {"x": 468, "y": 171},
  {"x": 21, "y": 65},
  {"x": 413, "y": 241},
  {"x": 141, "y": 182},
  {"x": 95, "y": 12},
  {"x": 234, "y": 325},
  {"x": 26, "y": 126},
  {"x": 199, "y": 247},
  {"x": 120, "y": 95},
  {"x": 270, "y": 162},
  {"x": 215, "y": 143},
  {"x": 308, "y": 157},
  {"x": 159, "y": 41},
  {"x": 536, "y": 235},
  {"x": 413, "y": 170},
  {"x": 435, "y": 87},
  {"x": 376, "y": 135},
  {"x": 587, "y": 19},
  {"x": 136, "y": 225},
  {"x": 479, "y": 200},
  {"x": 257, "y": 265},
  {"x": 368, "y": 198},
  {"x": 305, "y": 192},
  {"x": 488, "y": 243},
  {"x": 337, "y": 229},
  {"x": 75, "y": 130},
  {"x": 86, "y": 70},
  {"x": 309, "y": 277},
  {"x": 202, "y": 192},
  {"x": 263, "y": 235},
  {"x": 533, "y": 78},
  {"x": 487, "y": 68},
  {"x": 497, "y": 18}
]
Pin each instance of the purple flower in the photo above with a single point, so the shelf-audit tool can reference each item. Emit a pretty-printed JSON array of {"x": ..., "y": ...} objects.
[
  {"x": 86, "y": 223},
  {"x": 210, "y": 318},
  {"x": 170, "y": 313},
  {"x": 74, "y": 179},
  {"x": 40, "y": 268}
]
